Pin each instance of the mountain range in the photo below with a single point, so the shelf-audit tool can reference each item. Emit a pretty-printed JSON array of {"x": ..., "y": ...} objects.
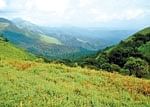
[{"x": 59, "y": 42}]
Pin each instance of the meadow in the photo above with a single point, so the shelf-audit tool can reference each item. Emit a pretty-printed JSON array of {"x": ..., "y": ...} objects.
[{"x": 38, "y": 84}]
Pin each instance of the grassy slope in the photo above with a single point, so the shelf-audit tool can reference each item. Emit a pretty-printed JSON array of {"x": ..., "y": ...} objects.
[
  {"x": 32, "y": 84},
  {"x": 8, "y": 51},
  {"x": 48, "y": 39}
]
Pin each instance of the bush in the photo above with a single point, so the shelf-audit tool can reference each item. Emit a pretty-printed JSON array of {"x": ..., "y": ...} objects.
[
  {"x": 115, "y": 67},
  {"x": 106, "y": 66},
  {"x": 137, "y": 67}
]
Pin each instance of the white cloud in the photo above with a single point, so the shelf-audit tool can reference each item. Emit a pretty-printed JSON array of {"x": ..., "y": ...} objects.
[
  {"x": 47, "y": 5},
  {"x": 77, "y": 11},
  {"x": 2, "y": 4},
  {"x": 132, "y": 14},
  {"x": 126, "y": 14}
]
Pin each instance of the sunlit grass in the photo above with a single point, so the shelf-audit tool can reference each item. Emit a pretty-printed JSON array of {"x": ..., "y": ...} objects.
[
  {"x": 32, "y": 84},
  {"x": 8, "y": 51},
  {"x": 48, "y": 39}
]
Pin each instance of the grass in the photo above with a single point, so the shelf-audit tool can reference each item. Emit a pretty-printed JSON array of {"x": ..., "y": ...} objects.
[
  {"x": 8, "y": 51},
  {"x": 32, "y": 84},
  {"x": 48, "y": 39}
]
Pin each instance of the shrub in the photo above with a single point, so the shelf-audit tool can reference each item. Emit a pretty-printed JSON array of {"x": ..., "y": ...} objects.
[
  {"x": 115, "y": 67},
  {"x": 106, "y": 66},
  {"x": 137, "y": 67}
]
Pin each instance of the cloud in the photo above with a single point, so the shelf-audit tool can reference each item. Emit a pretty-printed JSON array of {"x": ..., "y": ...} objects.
[
  {"x": 47, "y": 5},
  {"x": 124, "y": 15},
  {"x": 2, "y": 4},
  {"x": 77, "y": 12}
]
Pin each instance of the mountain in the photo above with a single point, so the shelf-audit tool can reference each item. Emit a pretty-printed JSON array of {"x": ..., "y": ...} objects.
[
  {"x": 128, "y": 53},
  {"x": 89, "y": 38},
  {"x": 59, "y": 43},
  {"x": 28, "y": 36},
  {"x": 34, "y": 83}
]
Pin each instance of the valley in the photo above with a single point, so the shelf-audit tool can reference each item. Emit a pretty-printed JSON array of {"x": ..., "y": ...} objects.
[
  {"x": 61, "y": 42},
  {"x": 74, "y": 53},
  {"x": 27, "y": 81},
  {"x": 64, "y": 70}
]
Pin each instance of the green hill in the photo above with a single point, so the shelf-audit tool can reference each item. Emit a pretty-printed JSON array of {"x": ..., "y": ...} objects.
[
  {"x": 38, "y": 84},
  {"x": 9, "y": 51},
  {"x": 136, "y": 47}
]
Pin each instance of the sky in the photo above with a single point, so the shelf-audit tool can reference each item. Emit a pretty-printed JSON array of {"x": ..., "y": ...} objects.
[{"x": 86, "y": 13}]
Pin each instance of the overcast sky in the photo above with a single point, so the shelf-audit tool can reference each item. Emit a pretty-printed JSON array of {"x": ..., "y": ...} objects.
[{"x": 102, "y": 13}]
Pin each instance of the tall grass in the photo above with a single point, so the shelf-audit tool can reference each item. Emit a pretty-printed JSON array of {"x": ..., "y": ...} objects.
[{"x": 56, "y": 85}]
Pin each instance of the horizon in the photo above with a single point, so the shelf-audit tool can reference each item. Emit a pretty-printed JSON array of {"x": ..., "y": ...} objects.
[{"x": 123, "y": 14}]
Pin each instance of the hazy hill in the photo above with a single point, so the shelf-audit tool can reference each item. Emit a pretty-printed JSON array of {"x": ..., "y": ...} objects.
[
  {"x": 70, "y": 42},
  {"x": 29, "y": 84},
  {"x": 28, "y": 36}
]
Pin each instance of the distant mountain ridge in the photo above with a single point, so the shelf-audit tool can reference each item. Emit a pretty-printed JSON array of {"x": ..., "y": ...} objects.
[
  {"x": 57, "y": 43},
  {"x": 31, "y": 38}
]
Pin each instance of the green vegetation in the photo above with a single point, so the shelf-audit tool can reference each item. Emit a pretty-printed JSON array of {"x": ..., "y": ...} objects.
[
  {"x": 31, "y": 84},
  {"x": 114, "y": 58},
  {"x": 9, "y": 51},
  {"x": 145, "y": 50},
  {"x": 137, "y": 67},
  {"x": 40, "y": 42},
  {"x": 26, "y": 83},
  {"x": 48, "y": 39},
  {"x": 145, "y": 31}
]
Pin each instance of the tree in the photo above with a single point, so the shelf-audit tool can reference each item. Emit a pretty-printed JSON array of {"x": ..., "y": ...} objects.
[
  {"x": 107, "y": 67},
  {"x": 118, "y": 56},
  {"x": 137, "y": 67},
  {"x": 115, "y": 67}
]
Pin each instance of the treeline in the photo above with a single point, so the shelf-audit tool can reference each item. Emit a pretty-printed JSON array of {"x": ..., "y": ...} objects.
[{"x": 60, "y": 52}]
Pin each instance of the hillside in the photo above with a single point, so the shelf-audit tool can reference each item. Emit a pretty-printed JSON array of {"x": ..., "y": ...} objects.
[
  {"x": 9, "y": 51},
  {"x": 32, "y": 38},
  {"x": 60, "y": 43},
  {"x": 115, "y": 58},
  {"x": 35, "y": 84},
  {"x": 30, "y": 84}
]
